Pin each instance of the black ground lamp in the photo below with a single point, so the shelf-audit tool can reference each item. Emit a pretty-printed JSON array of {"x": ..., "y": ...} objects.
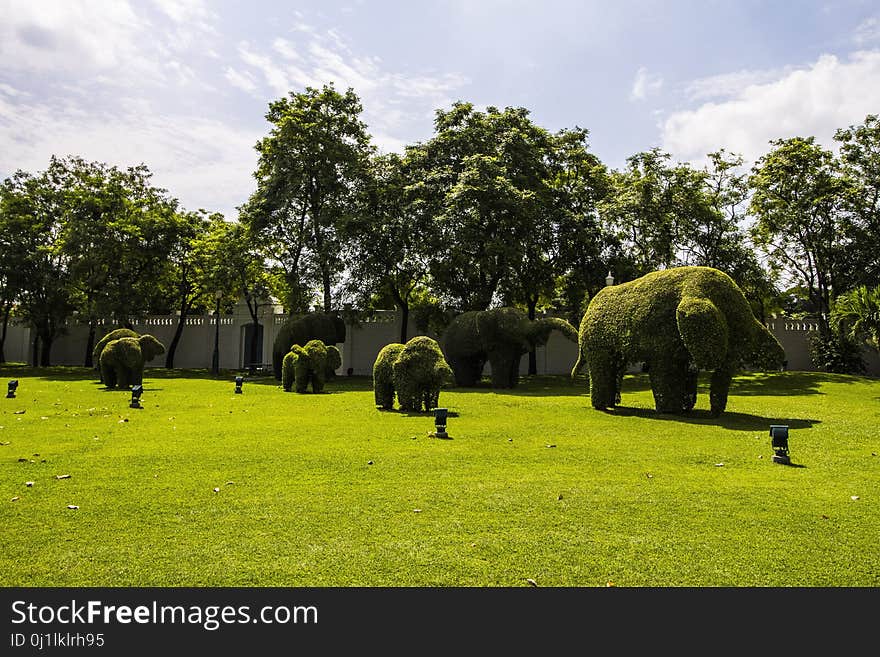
[
  {"x": 10, "y": 389},
  {"x": 440, "y": 415},
  {"x": 779, "y": 441},
  {"x": 136, "y": 392},
  {"x": 239, "y": 380}
]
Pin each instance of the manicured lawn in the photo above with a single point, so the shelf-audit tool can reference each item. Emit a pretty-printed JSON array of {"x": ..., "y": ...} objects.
[{"x": 325, "y": 490}]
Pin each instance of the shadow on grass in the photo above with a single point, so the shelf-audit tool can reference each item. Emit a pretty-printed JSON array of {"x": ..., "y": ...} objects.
[
  {"x": 728, "y": 420},
  {"x": 430, "y": 414}
]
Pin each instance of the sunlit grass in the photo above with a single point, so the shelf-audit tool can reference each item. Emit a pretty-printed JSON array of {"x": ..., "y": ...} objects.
[{"x": 203, "y": 487}]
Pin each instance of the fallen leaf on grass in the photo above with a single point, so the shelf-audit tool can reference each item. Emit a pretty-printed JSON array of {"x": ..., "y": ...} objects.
[
  {"x": 719, "y": 465},
  {"x": 64, "y": 476},
  {"x": 549, "y": 445},
  {"x": 72, "y": 506},
  {"x": 19, "y": 413},
  {"x": 15, "y": 499},
  {"x": 417, "y": 510},
  {"x": 28, "y": 483},
  {"x": 230, "y": 483},
  {"x": 531, "y": 581},
  {"x": 216, "y": 490},
  {"x": 854, "y": 498}
]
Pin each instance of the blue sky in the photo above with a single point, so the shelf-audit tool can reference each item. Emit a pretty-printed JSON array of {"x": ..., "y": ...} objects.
[{"x": 183, "y": 86}]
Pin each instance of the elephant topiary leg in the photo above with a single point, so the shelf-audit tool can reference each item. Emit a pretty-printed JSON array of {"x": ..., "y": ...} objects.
[
  {"x": 108, "y": 376},
  {"x": 718, "y": 389},
  {"x": 468, "y": 371},
  {"x": 124, "y": 377},
  {"x": 670, "y": 384},
  {"x": 693, "y": 377},
  {"x": 603, "y": 370},
  {"x": 505, "y": 370},
  {"x": 384, "y": 393}
]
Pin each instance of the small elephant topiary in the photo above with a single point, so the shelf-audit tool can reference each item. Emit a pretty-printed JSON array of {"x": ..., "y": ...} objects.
[
  {"x": 415, "y": 372},
  {"x": 115, "y": 334},
  {"x": 326, "y": 327},
  {"x": 334, "y": 361},
  {"x": 501, "y": 336},
  {"x": 122, "y": 360},
  {"x": 303, "y": 366},
  {"x": 677, "y": 321}
]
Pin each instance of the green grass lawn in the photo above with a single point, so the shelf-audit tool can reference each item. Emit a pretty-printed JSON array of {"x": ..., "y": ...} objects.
[{"x": 203, "y": 487}]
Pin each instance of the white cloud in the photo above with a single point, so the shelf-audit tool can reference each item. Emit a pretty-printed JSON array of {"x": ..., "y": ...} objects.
[
  {"x": 868, "y": 31},
  {"x": 203, "y": 162},
  {"x": 811, "y": 101},
  {"x": 59, "y": 35},
  {"x": 730, "y": 84},
  {"x": 244, "y": 81},
  {"x": 645, "y": 84},
  {"x": 394, "y": 101}
]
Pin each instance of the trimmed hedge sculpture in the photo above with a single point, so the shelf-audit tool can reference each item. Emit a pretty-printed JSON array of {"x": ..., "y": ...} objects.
[
  {"x": 500, "y": 336},
  {"x": 677, "y": 321},
  {"x": 122, "y": 360},
  {"x": 104, "y": 341},
  {"x": 334, "y": 361},
  {"x": 414, "y": 371},
  {"x": 326, "y": 327},
  {"x": 305, "y": 365}
]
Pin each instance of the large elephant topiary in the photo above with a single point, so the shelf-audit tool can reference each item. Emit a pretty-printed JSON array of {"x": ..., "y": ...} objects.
[
  {"x": 305, "y": 365},
  {"x": 326, "y": 327},
  {"x": 500, "y": 336},
  {"x": 415, "y": 372},
  {"x": 677, "y": 321},
  {"x": 115, "y": 334},
  {"x": 122, "y": 360}
]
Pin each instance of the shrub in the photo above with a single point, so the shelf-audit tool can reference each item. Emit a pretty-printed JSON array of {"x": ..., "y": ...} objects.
[
  {"x": 326, "y": 327},
  {"x": 103, "y": 342},
  {"x": 415, "y": 372},
  {"x": 305, "y": 365},
  {"x": 122, "y": 360},
  {"x": 676, "y": 321},
  {"x": 836, "y": 352}
]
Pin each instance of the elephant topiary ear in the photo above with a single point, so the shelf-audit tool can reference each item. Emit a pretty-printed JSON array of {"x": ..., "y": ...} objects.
[{"x": 704, "y": 331}]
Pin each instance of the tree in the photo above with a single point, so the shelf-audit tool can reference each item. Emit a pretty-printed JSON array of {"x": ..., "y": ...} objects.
[
  {"x": 310, "y": 169},
  {"x": 33, "y": 206},
  {"x": 860, "y": 161},
  {"x": 798, "y": 204},
  {"x": 483, "y": 177},
  {"x": 116, "y": 231},
  {"x": 387, "y": 253}
]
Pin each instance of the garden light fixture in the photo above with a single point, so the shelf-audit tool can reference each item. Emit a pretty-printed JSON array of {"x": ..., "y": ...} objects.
[
  {"x": 10, "y": 392},
  {"x": 779, "y": 441},
  {"x": 136, "y": 392},
  {"x": 609, "y": 279},
  {"x": 440, "y": 415},
  {"x": 239, "y": 380}
]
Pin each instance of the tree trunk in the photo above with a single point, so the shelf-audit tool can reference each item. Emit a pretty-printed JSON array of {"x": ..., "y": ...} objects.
[
  {"x": 46, "y": 352},
  {"x": 178, "y": 331},
  {"x": 533, "y": 356},
  {"x": 6, "y": 312},
  {"x": 35, "y": 349},
  {"x": 325, "y": 280},
  {"x": 90, "y": 344}
]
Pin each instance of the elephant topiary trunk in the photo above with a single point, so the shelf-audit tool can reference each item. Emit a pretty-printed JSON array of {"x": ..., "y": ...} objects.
[
  {"x": 414, "y": 372},
  {"x": 501, "y": 337},
  {"x": 678, "y": 321}
]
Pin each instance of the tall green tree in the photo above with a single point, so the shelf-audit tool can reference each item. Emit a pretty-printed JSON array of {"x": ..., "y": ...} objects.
[
  {"x": 798, "y": 204},
  {"x": 484, "y": 178},
  {"x": 311, "y": 167},
  {"x": 387, "y": 241},
  {"x": 116, "y": 231},
  {"x": 856, "y": 314},
  {"x": 860, "y": 161}
]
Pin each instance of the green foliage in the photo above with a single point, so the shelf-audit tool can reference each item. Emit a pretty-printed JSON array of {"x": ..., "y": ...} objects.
[
  {"x": 326, "y": 327},
  {"x": 415, "y": 372},
  {"x": 115, "y": 334},
  {"x": 305, "y": 365},
  {"x": 677, "y": 321},
  {"x": 856, "y": 315},
  {"x": 836, "y": 352},
  {"x": 799, "y": 200},
  {"x": 383, "y": 375},
  {"x": 310, "y": 166},
  {"x": 499, "y": 336},
  {"x": 334, "y": 361},
  {"x": 122, "y": 360}
]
